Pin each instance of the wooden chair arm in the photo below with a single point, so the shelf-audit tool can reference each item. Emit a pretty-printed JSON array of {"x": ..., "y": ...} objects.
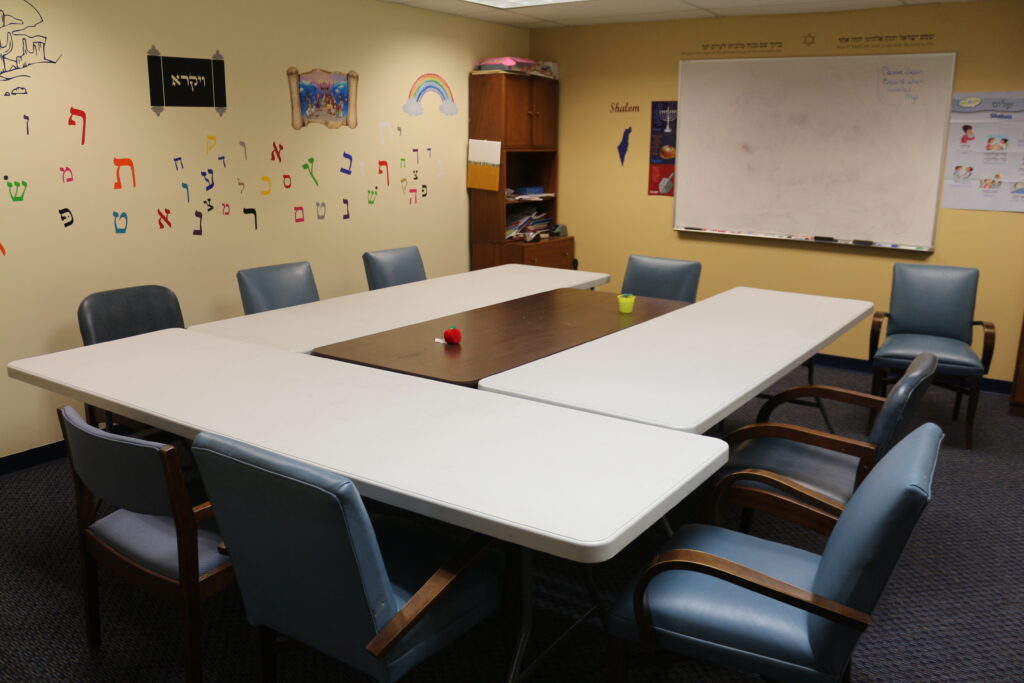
[
  {"x": 203, "y": 511},
  {"x": 876, "y": 330},
  {"x": 726, "y": 486},
  {"x": 813, "y": 437},
  {"x": 990, "y": 342},
  {"x": 850, "y": 396},
  {"x": 436, "y": 586},
  {"x": 727, "y": 570}
]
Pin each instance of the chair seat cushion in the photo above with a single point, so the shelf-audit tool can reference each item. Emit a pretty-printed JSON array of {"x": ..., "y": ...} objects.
[
  {"x": 412, "y": 552},
  {"x": 702, "y": 616},
  {"x": 150, "y": 540},
  {"x": 955, "y": 357},
  {"x": 826, "y": 472}
]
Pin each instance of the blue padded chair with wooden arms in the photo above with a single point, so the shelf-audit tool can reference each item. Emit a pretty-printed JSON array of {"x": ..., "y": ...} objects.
[
  {"x": 390, "y": 267},
  {"x": 781, "y": 612},
  {"x": 270, "y": 287},
  {"x": 663, "y": 278},
  {"x": 155, "y": 538},
  {"x": 933, "y": 310},
  {"x": 118, "y": 313},
  {"x": 312, "y": 566},
  {"x": 806, "y": 475}
]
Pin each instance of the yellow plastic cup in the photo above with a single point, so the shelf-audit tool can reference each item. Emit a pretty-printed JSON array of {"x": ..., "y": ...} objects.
[{"x": 626, "y": 302}]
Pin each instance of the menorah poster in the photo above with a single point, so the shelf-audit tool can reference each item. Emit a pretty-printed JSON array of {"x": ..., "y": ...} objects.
[{"x": 661, "y": 177}]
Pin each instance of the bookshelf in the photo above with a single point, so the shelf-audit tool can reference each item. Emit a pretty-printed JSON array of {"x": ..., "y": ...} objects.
[{"x": 521, "y": 111}]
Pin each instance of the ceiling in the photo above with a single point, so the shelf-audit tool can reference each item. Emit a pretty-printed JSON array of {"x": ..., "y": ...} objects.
[{"x": 626, "y": 11}]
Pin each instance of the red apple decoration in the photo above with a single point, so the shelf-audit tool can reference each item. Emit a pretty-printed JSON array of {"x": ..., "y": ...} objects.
[{"x": 452, "y": 335}]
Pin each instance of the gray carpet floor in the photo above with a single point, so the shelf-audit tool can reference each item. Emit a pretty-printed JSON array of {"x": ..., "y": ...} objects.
[{"x": 953, "y": 611}]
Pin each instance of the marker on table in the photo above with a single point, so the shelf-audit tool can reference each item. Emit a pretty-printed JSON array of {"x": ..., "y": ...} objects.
[
  {"x": 864, "y": 243},
  {"x": 822, "y": 238}
]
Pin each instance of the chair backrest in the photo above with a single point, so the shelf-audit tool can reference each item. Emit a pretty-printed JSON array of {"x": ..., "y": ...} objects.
[
  {"x": 304, "y": 551},
  {"x": 390, "y": 267},
  {"x": 902, "y": 401},
  {"x": 118, "y": 313},
  {"x": 935, "y": 300},
  {"x": 124, "y": 471},
  {"x": 870, "y": 535},
  {"x": 278, "y": 286},
  {"x": 664, "y": 278}
]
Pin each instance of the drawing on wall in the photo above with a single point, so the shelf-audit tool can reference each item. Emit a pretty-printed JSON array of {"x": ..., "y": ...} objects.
[
  {"x": 21, "y": 45},
  {"x": 430, "y": 83},
  {"x": 623, "y": 145},
  {"x": 186, "y": 82},
  {"x": 319, "y": 96}
]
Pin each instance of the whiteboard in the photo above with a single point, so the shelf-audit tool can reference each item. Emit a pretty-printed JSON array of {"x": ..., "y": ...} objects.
[{"x": 831, "y": 149}]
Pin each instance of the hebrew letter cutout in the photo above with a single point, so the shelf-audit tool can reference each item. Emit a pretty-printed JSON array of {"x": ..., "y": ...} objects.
[
  {"x": 416, "y": 150},
  {"x": 423, "y": 190},
  {"x": 185, "y": 186},
  {"x": 209, "y": 204},
  {"x": 225, "y": 209},
  {"x": 371, "y": 196},
  {"x": 71, "y": 120},
  {"x": 405, "y": 184},
  {"x": 415, "y": 174},
  {"x": 309, "y": 167},
  {"x": 300, "y": 214},
  {"x": 211, "y": 142},
  {"x": 382, "y": 169},
  {"x": 255, "y": 223},
  {"x": 414, "y": 199},
  {"x": 119, "y": 229},
  {"x": 286, "y": 180},
  {"x": 199, "y": 230},
  {"x": 17, "y": 190},
  {"x": 245, "y": 150},
  {"x": 25, "y": 116},
  {"x": 209, "y": 181},
  {"x": 267, "y": 181},
  {"x": 163, "y": 217},
  {"x": 241, "y": 184},
  {"x": 347, "y": 171},
  {"x": 401, "y": 162},
  {"x": 321, "y": 210},
  {"x": 178, "y": 164},
  {"x": 68, "y": 219},
  {"x": 119, "y": 164},
  {"x": 66, "y": 176},
  {"x": 348, "y": 213},
  {"x": 223, "y": 161},
  {"x": 276, "y": 154}
]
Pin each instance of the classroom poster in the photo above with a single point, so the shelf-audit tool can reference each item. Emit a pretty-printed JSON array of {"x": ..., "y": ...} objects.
[
  {"x": 663, "y": 149},
  {"x": 985, "y": 153}
]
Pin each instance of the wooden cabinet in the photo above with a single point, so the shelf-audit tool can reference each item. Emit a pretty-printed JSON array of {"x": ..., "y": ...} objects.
[{"x": 521, "y": 112}]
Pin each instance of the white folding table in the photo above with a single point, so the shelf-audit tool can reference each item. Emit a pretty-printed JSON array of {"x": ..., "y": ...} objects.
[
  {"x": 305, "y": 327},
  {"x": 565, "y": 482},
  {"x": 688, "y": 369}
]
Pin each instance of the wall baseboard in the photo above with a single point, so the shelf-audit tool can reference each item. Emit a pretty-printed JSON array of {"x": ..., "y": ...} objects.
[{"x": 32, "y": 457}]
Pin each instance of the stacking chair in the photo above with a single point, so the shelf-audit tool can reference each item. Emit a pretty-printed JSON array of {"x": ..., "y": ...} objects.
[
  {"x": 390, "y": 267},
  {"x": 771, "y": 609},
  {"x": 380, "y": 596},
  {"x": 154, "y": 538},
  {"x": 663, "y": 278},
  {"x": 805, "y": 475},
  {"x": 270, "y": 287},
  {"x": 118, "y": 313},
  {"x": 933, "y": 310}
]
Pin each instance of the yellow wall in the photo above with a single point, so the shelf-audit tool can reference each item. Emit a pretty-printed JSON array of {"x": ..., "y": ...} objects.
[
  {"x": 606, "y": 207},
  {"x": 49, "y": 268}
]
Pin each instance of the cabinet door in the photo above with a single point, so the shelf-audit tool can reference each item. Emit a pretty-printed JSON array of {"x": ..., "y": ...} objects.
[
  {"x": 544, "y": 112},
  {"x": 518, "y": 121}
]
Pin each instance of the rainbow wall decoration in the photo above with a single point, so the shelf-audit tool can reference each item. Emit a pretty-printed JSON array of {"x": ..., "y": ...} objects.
[{"x": 428, "y": 83}]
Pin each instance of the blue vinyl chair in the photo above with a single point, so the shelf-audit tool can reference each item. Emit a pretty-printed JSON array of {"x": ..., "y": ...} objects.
[
  {"x": 390, "y": 267},
  {"x": 771, "y": 609},
  {"x": 118, "y": 313},
  {"x": 663, "y": 278},
  {"x": 805, "y": 475},
  {"x": 312, "y": 566},
  {"x": 933, "y": 310},
  {"x": 278, "y": 286},
  {"x": 155, "y": 538}
]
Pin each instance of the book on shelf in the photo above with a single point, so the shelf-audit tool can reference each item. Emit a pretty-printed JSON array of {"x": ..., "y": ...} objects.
[{"x": 524, "y": 224}]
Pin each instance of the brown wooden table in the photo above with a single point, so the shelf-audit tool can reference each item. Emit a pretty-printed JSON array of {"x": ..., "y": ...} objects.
[{"x": 497, "y": 338}]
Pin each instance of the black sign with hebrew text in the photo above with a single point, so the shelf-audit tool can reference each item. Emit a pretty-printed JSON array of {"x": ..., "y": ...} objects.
[{"x": 186, "y": 82}]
